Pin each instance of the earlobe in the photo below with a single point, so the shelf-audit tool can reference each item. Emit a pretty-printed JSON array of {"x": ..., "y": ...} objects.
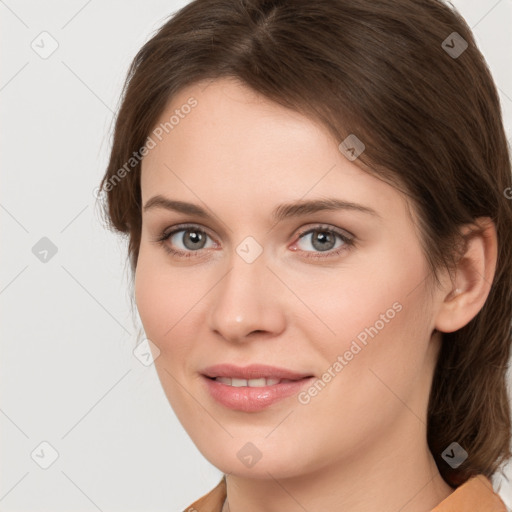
[{"x": 473, "y": 277}]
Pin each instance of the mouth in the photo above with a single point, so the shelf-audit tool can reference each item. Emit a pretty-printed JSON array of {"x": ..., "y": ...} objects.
[
  {"x": 253, "y": 374},
  {"x": 252, "y": 383},
  {"x": 252, "y": 388}
]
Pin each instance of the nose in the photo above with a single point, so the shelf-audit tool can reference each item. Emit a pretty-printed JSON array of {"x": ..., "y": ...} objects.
[{"x": 248, "y": 302}]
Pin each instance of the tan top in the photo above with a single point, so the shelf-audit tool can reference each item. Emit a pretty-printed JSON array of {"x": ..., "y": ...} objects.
[{"x": 475, "y": 495}]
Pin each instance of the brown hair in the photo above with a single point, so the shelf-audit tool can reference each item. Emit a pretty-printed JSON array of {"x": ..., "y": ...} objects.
[{"x": 431, "y": 123}]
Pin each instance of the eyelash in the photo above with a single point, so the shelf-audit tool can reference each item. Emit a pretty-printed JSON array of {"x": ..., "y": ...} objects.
[{"x": 348, "y": 242}]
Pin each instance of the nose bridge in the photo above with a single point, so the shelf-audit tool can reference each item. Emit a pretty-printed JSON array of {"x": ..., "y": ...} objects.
[{"x": 245, "y": 300}]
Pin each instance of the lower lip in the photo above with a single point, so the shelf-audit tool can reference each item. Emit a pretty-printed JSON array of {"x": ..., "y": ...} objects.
[{"x": 250, "y": 399}]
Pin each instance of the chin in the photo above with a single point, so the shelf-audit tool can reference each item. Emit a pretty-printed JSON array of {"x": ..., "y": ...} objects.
[{"x": 254, "y": 459}]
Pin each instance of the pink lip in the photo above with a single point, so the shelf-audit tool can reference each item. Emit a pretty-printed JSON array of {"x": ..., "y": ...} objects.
[{"x": 252, "y": 399}]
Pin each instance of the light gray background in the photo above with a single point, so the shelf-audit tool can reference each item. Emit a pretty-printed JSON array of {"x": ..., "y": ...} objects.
[{"x": 68, "y": 374}]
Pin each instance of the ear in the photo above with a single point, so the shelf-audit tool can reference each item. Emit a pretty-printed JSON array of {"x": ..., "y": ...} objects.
[{"x": 473, "y": 277}]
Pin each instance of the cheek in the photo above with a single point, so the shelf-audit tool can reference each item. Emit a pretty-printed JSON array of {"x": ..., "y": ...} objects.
[
  {"x": 171, "y": 305},
  {"x": 370, "y": 293},
  {"x": 160, "y": 299},
  {"x": 376, "y": 319},
  {"x": 150, "y": 299},
  {"x": 165, "y": 306}
]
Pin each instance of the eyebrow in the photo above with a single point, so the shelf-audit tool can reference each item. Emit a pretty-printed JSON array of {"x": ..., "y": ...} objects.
[{"x": 280, "y": 213}]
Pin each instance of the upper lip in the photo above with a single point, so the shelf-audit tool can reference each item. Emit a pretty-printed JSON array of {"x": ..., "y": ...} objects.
[{"x": 253, "y": 371}]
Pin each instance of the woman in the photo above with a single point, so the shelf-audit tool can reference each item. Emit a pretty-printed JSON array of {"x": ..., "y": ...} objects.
[{"x": 316, "y": 200}]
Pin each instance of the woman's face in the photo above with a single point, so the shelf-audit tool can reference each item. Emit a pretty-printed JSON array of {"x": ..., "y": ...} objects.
[{"x": 339, "y": 295}]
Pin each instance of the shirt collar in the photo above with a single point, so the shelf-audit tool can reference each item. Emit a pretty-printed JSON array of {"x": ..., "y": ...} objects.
[{"x": 474, "y": 495}]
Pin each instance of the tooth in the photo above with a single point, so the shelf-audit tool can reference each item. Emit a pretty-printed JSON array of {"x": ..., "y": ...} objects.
[
  {"x": 238, "y": 382},
  {"x": 253, "y": 383},
  {"x": 257, "y": 383}
]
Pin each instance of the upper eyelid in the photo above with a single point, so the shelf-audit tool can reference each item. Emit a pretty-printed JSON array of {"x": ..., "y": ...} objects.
[
  {"x": 302, "y": 231},
  {"x": 326, "y": 227},
  {"x": 185, "y": 227}
]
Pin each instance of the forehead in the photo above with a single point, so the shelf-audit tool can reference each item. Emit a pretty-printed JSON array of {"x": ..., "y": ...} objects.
[
  {"x": 238, "y": 128},
  {"x": 221, "y": 138}
]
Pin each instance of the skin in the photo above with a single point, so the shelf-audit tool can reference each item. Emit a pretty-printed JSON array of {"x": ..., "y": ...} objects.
[{"x": 359, "y": 444}]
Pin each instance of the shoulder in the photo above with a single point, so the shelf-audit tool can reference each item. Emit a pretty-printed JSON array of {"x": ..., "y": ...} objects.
[
  {"x": 475, "y": 495},
  {"x": 211, "y": 501}
]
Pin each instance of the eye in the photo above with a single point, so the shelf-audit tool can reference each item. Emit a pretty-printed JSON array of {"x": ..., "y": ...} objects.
[
  {"x": 188, "y": 240},
  {"x": 323, "y": 239},
  {"x": 191, "y": 238}
]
